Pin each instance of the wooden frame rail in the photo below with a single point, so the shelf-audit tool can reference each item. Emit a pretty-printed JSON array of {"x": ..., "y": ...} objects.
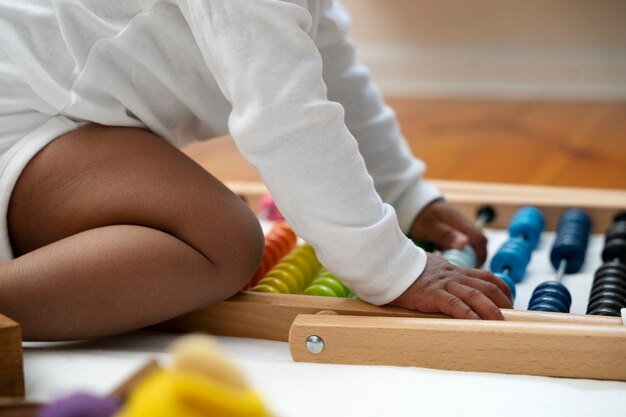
[
  {"x": 527, "y": 342},
  {"x": 600, "y": 204}
]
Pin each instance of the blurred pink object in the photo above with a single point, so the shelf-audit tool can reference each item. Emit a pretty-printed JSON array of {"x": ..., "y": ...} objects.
[{"x": 268, "y": 209}]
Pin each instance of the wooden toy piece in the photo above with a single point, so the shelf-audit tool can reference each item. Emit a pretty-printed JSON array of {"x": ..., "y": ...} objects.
[
  {"x": 530, "y": 348},
  {"x": 270, "y": 316},
  {"x": 506, "y": 199},
  {"x": 11, "y": 367},
  {"x": 18, "y": 409},
  {"x": 527, "y": 342}
]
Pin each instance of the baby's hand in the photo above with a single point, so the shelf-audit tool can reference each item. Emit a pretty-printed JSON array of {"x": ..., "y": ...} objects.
[
  {"x": 461, "y": 293},
  {"x": 443, "y": 225}
]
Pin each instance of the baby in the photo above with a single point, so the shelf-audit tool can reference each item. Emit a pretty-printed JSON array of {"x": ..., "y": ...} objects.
[{"x": 109, "y": 227}]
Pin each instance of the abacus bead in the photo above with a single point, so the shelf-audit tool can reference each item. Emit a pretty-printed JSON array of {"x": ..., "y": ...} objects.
[
  {"x": 612, "y": 269},
  {"x": 292, "y": 270},
  {"x": 332, "y": 283},
  {"x": 280, "y": 242},
  {"x": 514, "y": 255},
  {"x": 509, "y": 282},
  {"x": 301, "y": 263},
  {"x": 607, "y": 294},
  {"x": 619, "y": 289},
  {"x": 463, "y": 258},
  {"x": 280, "y": 286},
  {"x": 272, "y": 252},
  {"x": 610, "y": 279},
  {"x": 617, "y": 231},
  {"x": 607, "y": 303},
  {"x": 265, "y": 288},
  {"x": 290, "y": 280},
  {"x": 527, "y": 224},
  {"x": 328, "y": 274},
  {"x": 553, "y": 293},
  {"x": 549, "y": 304},
  {"x": 320, "y": 291},
  {"x": 604, "y": 311},
  {"x": 615, "y": 249},
  {"x": 571, "y": 240}
]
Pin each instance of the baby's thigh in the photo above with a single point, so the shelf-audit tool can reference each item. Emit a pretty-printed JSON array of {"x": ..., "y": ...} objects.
[{"x": 99, "y": 176}]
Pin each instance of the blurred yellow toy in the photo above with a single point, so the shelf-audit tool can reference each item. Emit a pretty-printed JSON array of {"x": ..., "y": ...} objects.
[{"x": 201, "y": 383}]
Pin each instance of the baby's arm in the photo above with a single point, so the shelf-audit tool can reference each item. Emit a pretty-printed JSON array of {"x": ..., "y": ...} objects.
[
  {"x": 397, "y": 174},
  {"x": 268, "y": 67}
]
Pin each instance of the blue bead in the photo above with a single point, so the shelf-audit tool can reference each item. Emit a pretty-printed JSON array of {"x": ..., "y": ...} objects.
[
  {"x": 550, "y": 305},
  {"x": 555, "y": 286},
  {"x": 527, "y": 224},
  {"x": 514, "y": 255},
  {"x": 553, "y": 294},
  {"x": 571, "y": 240},
  {"x": 509, "y": 282}
]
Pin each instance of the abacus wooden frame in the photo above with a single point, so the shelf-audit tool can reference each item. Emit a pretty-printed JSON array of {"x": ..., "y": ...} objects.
[
  {"x": 531, "y": 343},
  {"x": 11, "y": 361}
]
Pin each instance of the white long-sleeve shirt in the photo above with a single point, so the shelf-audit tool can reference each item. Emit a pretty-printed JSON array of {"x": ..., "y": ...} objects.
[{"x": 279, "y": 75}]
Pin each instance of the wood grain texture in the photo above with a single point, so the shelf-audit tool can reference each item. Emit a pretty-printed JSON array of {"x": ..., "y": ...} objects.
[
  {"x": 11, "y": 366},
  {"x": 270, "y": 316},
  {"x": 520, "y": 142},
  {"x": 552, "y": 143},
  {"x": 547, "y": 349}
]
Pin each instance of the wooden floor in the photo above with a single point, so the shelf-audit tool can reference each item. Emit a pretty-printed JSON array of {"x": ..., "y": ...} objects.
[{"x": 552, "y": 143}]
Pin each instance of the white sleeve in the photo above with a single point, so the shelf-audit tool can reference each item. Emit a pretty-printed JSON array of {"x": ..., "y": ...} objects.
[
  {"x": 270, "y": 70},
  {"x": 397, "y": 174}
]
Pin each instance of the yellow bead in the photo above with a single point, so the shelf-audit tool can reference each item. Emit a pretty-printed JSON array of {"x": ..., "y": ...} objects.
[
  {"x": 302, "y": 263},
  {"x": 285, "y": 277},
  {"x": 281, "y": 286},
  {"x": 265, "y": 288},
  {"x": 293, "y": 271}
]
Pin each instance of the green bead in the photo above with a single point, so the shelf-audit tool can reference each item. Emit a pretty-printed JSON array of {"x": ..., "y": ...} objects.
[
  {"x": 333, "y": 283},
  {"x": 320, "y": 290}
]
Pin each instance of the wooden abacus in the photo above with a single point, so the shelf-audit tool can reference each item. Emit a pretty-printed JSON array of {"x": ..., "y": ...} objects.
[{"x": 353, "y": 332}]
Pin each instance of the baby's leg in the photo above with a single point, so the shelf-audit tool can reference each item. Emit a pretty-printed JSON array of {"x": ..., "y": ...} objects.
[{"x": 115, "y": 229}]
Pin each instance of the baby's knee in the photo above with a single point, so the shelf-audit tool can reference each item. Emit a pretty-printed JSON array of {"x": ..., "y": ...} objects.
[
  {"x": 249, "y": 246},
  {"x": 241, "y": 245}
]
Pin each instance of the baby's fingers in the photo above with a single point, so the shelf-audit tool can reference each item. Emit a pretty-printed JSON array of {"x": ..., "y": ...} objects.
[
  {"x": 491, "y": 290},
  {"x": 489, "y": 277},
  {"x": 476, "y": 300},
  {"x": 453, "y": 306},
  {"x": 447, "y": 237}
]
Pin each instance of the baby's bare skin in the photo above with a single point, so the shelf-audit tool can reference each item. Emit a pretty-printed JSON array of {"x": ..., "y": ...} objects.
[{"x": 113, "y": 229}]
